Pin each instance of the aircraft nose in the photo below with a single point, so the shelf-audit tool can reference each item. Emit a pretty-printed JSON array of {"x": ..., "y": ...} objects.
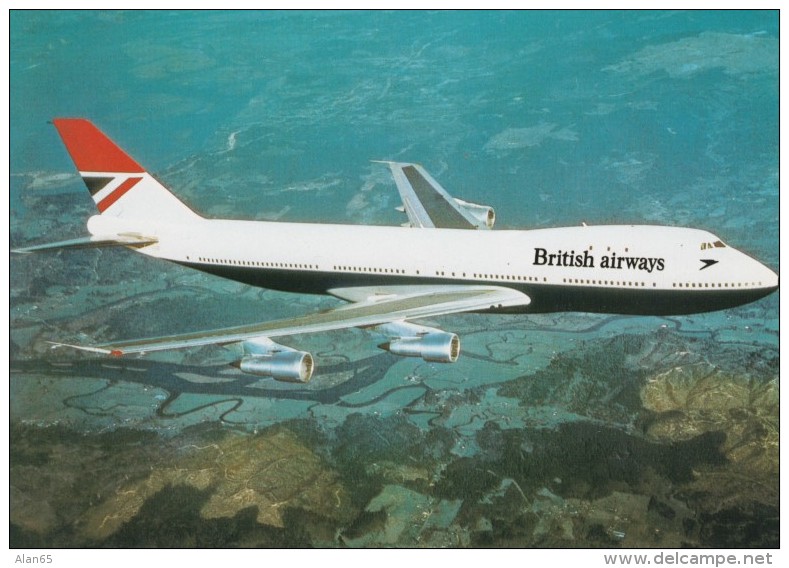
[
  {"x": 766, "y": 277},
  {"x": 772, "y": 279}
]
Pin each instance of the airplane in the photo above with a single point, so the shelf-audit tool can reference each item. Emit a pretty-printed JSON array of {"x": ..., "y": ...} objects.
[{"x": 445, "y": 260}]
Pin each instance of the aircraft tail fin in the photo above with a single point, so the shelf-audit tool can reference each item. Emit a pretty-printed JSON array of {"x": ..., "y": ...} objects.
[{"x": 120, "y": 186}]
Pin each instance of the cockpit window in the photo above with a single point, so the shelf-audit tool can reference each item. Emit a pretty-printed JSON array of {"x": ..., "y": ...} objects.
[{"x": 716, "y": 244}]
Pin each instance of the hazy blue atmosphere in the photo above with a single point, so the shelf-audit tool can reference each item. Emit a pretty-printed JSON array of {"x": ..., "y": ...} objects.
[{"x": 566, "y": 430}]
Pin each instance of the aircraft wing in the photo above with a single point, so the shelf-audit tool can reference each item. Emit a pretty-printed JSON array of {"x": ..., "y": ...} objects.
[
  {"x": 375, "y": 307},
  {"x": 133, "y": 240},
  {"x": 428, "y": 205}
]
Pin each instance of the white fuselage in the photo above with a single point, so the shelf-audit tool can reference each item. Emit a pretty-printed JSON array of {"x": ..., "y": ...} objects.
[{"x": 633, "y": 269}]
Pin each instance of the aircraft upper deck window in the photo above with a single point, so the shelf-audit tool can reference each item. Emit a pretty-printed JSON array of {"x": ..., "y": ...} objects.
[{"x": 716, "y": 244}]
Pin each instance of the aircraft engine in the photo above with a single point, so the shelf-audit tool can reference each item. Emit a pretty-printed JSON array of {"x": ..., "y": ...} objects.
[
  {"x": 484, "y": 215},
  {"x": 288, "y": 366},
  {"x": 437, "y": 347},
  {"x": 264, "y": 358}
]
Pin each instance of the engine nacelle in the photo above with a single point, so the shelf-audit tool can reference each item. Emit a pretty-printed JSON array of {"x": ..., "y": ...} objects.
[
  {"x": 264, "y": 358},
  {"x": 436, "y": 347},
  {"x": 484, "y": 215},
  {"x": 288, "y": 366}
]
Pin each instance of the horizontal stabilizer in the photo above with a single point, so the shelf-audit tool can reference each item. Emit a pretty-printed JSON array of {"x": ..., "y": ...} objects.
[{"x": 94, "y": 241}]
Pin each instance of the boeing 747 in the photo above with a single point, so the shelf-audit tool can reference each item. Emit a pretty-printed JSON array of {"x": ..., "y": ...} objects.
[{"x": 445, "y": 261}]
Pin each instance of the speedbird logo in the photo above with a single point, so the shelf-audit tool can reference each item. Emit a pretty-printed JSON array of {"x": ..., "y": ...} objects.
[{"x": 587, "y": 260}]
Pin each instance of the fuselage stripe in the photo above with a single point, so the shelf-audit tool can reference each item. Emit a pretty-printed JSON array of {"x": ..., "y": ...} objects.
[{"x": 546, "y": 297}]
